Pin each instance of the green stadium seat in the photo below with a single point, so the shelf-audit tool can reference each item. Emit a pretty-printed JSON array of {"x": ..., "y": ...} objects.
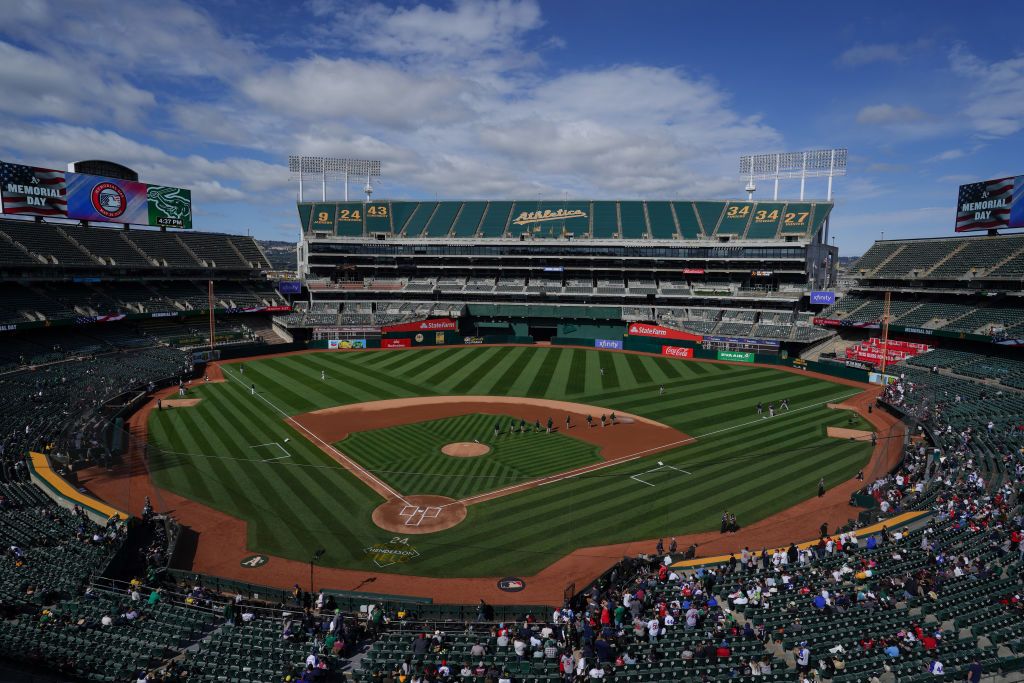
[{"x": 663, "y": 224}]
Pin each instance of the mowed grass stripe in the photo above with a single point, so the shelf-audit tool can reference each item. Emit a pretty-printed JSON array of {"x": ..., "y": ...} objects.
[
  {"x": 471, "y": 375},
  {"x": 373, "y": 376},
  {"x": 576, "y": 379},
  {"x": 545, "y": 372},
  {"x": 637, "y": 366},
  {"x": 667, "y": 368},
  {"x": 607, "y": 370},
  {"x": 520, "y": 359},
  {"x": 441, "y": 374},
  {"x": 485, "y": 382}
]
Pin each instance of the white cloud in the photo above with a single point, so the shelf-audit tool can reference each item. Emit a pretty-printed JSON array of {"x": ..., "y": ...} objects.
[
  {"x": 39, "y": 85},
  {"x": 860, "y": 54},
  {"x": 230, "y": 179},
  {"x": 885, "y": 114},
  {"x": 948, "y": 155},
  {"x": 995, "y": 91},
  {"x": 321, "y": 88},
  {"x": 469, "y": 29},
  {"x": 168, "y": 37}
]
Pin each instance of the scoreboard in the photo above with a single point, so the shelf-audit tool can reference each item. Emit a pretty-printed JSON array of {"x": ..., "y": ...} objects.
[{"x": 991, "y": 204}]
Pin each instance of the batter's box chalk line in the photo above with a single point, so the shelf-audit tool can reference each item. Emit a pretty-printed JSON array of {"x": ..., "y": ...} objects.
[
  {"x": 659, "y": 468},
  {"x": 417, "y": 514}
]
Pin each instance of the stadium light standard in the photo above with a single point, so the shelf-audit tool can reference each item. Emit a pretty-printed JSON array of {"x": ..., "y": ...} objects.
[
  {"x": 312, "y": 561},
  {"x": 816, "y": 163},
  {"x": 321, "y": 168}
]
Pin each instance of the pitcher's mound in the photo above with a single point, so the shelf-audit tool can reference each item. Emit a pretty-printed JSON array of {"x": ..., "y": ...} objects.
[
  {"x": 419, "y": 514},
  {"x": 465, "y": 449}
]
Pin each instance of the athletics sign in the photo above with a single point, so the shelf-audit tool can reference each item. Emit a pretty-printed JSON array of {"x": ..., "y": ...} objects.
[{"x": 530, "y": 217}]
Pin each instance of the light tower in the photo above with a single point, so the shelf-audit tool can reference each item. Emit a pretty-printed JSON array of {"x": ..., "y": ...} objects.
[
  {"x": 816, "y": 163},
  {"x": 321, "y": 168}
]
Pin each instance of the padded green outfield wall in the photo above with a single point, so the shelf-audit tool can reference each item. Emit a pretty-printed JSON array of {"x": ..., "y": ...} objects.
[{"x": 591, "y": 331}]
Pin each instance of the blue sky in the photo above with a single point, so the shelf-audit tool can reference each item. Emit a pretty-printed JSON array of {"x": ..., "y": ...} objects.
[{"x": 519, "y": 99}]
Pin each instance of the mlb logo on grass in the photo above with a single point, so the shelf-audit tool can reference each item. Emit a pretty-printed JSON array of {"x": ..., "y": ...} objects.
[{"x": 823, "y": 297}]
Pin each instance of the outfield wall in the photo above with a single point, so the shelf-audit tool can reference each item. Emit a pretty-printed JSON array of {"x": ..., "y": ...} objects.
[{"x": 658, "y": 347}]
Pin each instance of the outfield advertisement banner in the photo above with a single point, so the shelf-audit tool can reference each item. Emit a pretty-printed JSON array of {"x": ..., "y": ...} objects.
[
  {"x": 854, "y": 324},
  {"x": 677, "y": 352},
  {"x": 736, "y": 356},
  {"x": 343, "y": 344},
  {"x": 395, "y": 343},
  {"x": 472, "y": 340},
  {"x": 32, "y": 191},
  {"x": 644, "y": 330},
  {"x": 432, "y": 325},
  {"x": 608, "y": 344},
  {"x": 823, "y": 298},
  {"x": 258, "y": 309}
]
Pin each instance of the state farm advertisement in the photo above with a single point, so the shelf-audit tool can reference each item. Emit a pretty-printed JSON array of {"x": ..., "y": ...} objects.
[
  {"x": 676, "y": 352},
  {"x": 395, "y": 343},
  {"x": 642, "y": 330},
  {"x": 432, "y": 325}
]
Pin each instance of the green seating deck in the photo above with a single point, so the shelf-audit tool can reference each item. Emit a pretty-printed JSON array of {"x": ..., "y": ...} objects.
[
  {"x": 689, "y": 225},
  {"x": 631, "y": 215},
  {"x": 764, "y": 224},
  {"x": 495, "y": 220},
  {"x": 440, "y": 223},
  {"x": 663, "y": 225},
  {"x": 469, "y": 219}
]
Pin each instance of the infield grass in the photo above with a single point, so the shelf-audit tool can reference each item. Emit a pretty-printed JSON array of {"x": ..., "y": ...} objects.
[
  {"x": 296, "y": 498},
  {"x": 409, "y": 457}
]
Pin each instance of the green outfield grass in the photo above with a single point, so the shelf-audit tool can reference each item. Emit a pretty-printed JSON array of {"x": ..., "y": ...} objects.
[
  {"x": 217, "y": 452},
  {"x": 409, "y": 458}
]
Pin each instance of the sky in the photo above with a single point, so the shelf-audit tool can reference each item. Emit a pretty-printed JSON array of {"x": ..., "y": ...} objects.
[{"x": 517, "y": 99}]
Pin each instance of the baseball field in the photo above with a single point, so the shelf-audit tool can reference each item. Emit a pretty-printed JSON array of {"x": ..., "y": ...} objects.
[{"x": 352, "y": 451}]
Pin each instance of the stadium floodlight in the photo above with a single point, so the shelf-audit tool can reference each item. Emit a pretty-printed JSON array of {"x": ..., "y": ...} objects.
[
  {"x": 817, "y": 163},
  {"x": 302, "y": 167}
]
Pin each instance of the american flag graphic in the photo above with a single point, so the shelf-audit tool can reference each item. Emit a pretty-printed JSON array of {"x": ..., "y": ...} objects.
[
  {"x": 992, "y": 197},
  {"x": 35, "y": 191}
]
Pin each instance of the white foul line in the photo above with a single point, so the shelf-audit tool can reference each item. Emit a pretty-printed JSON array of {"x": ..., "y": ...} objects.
[
  {"x": 352, "y": 463},
  {"x": 639, "y": 454}
]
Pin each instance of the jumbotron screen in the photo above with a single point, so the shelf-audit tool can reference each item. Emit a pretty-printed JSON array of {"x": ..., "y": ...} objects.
[
  {"x": 34, "y": 191},
  {"x": 991, "y": 204}
]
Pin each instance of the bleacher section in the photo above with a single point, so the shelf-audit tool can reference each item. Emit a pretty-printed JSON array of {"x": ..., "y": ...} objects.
[
  {"x": 949, "y": 258},
  {"x": 986, "y": 316},
  {"x": 47, "y": 245}
]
